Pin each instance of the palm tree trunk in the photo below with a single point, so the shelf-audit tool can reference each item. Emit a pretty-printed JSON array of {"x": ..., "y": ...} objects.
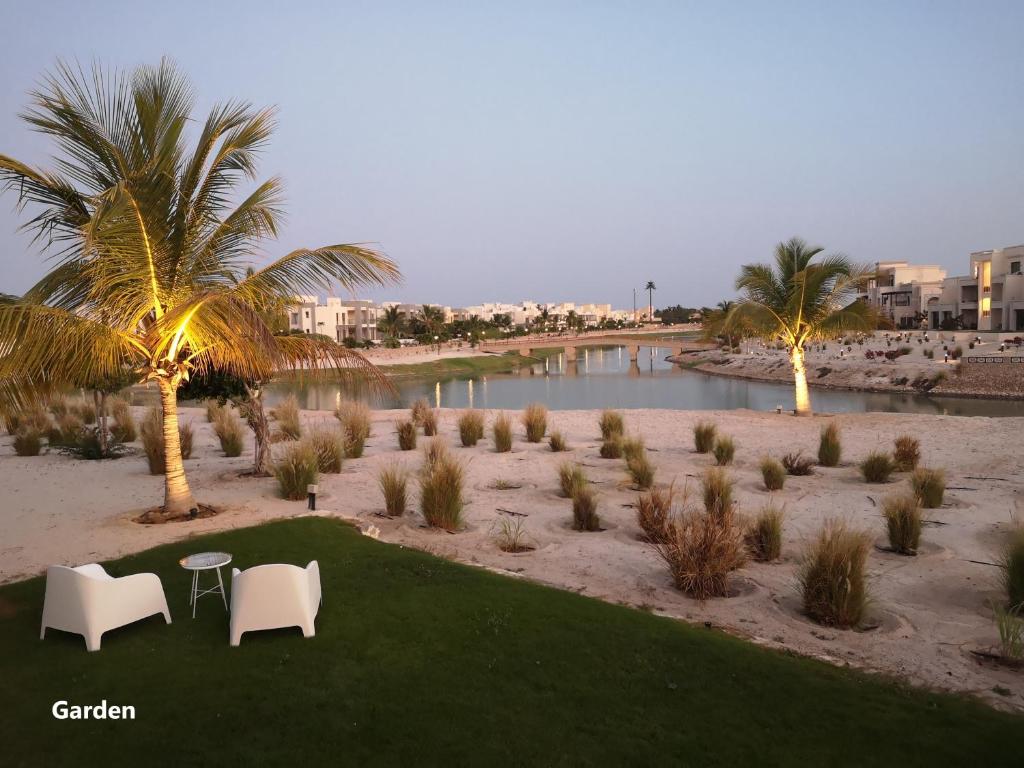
[
  {"x": 178, "y": 498},
  {"x": 256, "y": 418},
  {"x": 803, "y": 395}
]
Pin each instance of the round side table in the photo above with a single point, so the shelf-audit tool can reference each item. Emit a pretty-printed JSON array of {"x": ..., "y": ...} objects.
[{"x": 204, "y": 561}]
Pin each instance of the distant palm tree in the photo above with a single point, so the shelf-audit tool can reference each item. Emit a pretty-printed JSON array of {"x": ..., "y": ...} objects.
[
  {"x": 797, "y": 301},
  {"x": 650, "y": 288},
  {"x": 391, "y": 322},
  {"x": 151, "y": 253},
  {"x": 432, "y": 319}
]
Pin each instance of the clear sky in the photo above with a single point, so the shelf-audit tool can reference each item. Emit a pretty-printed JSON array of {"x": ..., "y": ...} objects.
[{"x": 575, "y": 150}]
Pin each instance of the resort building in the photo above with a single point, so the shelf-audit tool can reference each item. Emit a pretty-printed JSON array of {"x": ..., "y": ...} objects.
[
  {"x": 340, "y": 319},
  {"x": 989, "y": 298},
  {"x": 900, "y": 292}
]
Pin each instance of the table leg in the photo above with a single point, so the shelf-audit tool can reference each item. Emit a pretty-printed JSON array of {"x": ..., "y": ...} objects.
[
  {"x": 223, "y": 596},
  {"x": 195, "y": 591}
]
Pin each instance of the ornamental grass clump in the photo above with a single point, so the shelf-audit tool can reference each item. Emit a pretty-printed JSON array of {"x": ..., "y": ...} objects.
[
  {"x": 571, "y": 478},
  {"x": 724, "y": 450},
  {"x": 58, "y": 405},
  {"x": 69, "y": 429},
  {"x": 296, "y": 469},
  {"x": 28, "y": 442},
  {"x": 877, "y": 467},
  {"x": 764, "y": 534},
  {"x": 186, "y": 438},
  {"x": 535, "y": 420},
  {"x": 701, "y": 550},
  {"x": 123, "y": 429},
  {"x": 640, "y": 470},
  {"x": 502, "y": 429},
  {"x": 406, "y": 430},
  {"x": 830, "y": 447},
  {"x": 704, "y": 436},
  {"x": 797, "y": 464},
  {"x": 902, "y": 515},
  {"x": 557, "y": 443},
  {"x": 1010, "y": 626},
  {"x": 355, "y": 424},
  {"x": 84, "y": 410},
  {"x": 329, "y": 447},
  {"x": 611, "y": 447},
  {"x": 419, "y": 410},
  {"x": 773, "y": 474},
  {"x": 907, "y": 453},
  {"x": 611, "y": 423},
  {"x": 471, "y": 427},
  {"x": 653, "y": 511},
  {"x": 441, "y": 489},
  {"x": 1013, "y": 570},
  {"x": 584, "y": 511},
  {"x": 832, "y": 575},
  {"x": 213, "y": 408},
  {"x": 512, "y": 535},
  {"x": 393, "y": 481},
  {"x": 632, "y": 447},
  {"x": 429, "y": 420},
  {"x": 151, "y": 431},
  {"x": 286, "y": 413},
  {"x": 229, "y": 431},
  {"x": 716, "y": 490},
  {"x": 929, "y": 485}
]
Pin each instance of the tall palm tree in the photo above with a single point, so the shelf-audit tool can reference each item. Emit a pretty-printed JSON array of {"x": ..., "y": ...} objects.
[
  {"x": 432, "y": 318},
  {"x": 796, "y": 302},
  {"x": 391, "y": 322},
  {"x": 650, "y": 288},
  {"x": 150, "y": 250}
]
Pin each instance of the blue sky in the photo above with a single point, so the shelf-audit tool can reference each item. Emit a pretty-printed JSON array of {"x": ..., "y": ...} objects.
[{"x": 575, "y": 150}]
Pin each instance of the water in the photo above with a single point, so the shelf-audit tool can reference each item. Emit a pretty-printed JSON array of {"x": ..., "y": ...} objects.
[{"x": 605, "y": 378}]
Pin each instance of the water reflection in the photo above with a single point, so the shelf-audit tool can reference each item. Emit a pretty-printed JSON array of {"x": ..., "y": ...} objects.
[{"x": 607, "y": 378}]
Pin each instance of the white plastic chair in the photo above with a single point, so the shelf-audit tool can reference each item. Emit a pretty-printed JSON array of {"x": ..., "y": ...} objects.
[
  {"x": 274, "y": 596},
  {"x": 88, "y": 601}
]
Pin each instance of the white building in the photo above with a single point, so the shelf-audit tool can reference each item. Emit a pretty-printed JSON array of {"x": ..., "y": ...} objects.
[
  {"x": 900, "y": 291},
  {"x": 337, "y": 318},
  {"x": 989, "y": 298}
]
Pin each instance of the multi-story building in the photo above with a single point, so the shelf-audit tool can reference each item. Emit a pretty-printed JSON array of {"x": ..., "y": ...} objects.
[
  {"x": 989, "y": 298},
  {"x": 339, "y": 319},
  {"x": 900, "y": 292}
]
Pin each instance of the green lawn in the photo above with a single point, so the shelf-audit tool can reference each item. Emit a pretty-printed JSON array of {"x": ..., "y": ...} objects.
[{"x": 419, "y": 661}]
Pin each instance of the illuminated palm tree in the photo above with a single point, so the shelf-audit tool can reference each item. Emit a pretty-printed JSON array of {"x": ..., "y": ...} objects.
[
  {"x": 650, "y": 288},
  {"x": 796, "y": 302},
  {"x": 150, "y": 250}
]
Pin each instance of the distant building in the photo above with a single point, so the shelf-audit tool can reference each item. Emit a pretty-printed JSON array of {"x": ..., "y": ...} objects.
[
  {"x": 989, "y": 298},
  {"x": 900, "y": 292},
  {"x": 339, "y": 319}
]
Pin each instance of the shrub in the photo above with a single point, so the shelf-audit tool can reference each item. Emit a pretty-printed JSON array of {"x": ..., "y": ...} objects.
[
  {"x": 903, "y": 523},
  {"x": 87, "y": 445},
  {"x": 929, "y": 486},
  {"x": 229, "y": 431},
  {"x": 186, "y": 437},
  {"x": 571, "y": 478},
  {"x": 434, "y": 451},
  {"x": 797, "y": 464},
  {"x": 1013, "y": 569},
  {"x": 632, "y": 447},
  {"x": 441, "y": 493},
  {"x": 58, "y": 405},
  {"x": 393, "y": 481},
  {"x": 123, "y": 429},
  {"x": 701, "y": 550},
  {"x": 611, "y": 423},
  {"x": 471, "y": 427},
  {"x": 213, "y": 409},
  {"x": 512, "y": 534},
  {"x": 764, "y": 536},
  {"x": 877, "y": 467},
  {"x": 329, "y": 447},
  {"x": 907, "y": 453},
  {"x": 653, "y": 511},
  {"x": 419, "y": 409},
  {"x": 535, "y": 419},
  {"x": 584, "y": 511},
  {"x": 296, "y": 469},
  {"x": 830, "y": 448},
  {"x": 716, "y": 489},
  {"x": 406, "y": 430},
  {"x": 704, "y": 436},
  {"x": 611, "y": 447},
  {"x": 152, "y": 433},
  {"x": 557, "y": 442},
  {"x": 724, "y": 450},
  {"x": 831, "y": 575},
  {"x": 28, "y": 442},
  {"x": 429, "y": 420},
  {"x": 84, "y": 410},
  {"x": 355, "y": 423},
  {"x": 640, "y": 470},
  {"x": 502, "y": 429},
  {"x": 286, "y": 413},
  {"x": 69, "y": 429},
  {"x": 773, "y": 474}
]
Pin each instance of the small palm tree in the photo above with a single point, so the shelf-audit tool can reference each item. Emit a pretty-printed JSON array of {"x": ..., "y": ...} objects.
[
  {"x": 151, "y": 251},
  {"x": 650, "y": 288},
  {"x": 391, "y": 322},
  {"x": 432, "y": 319},
  {"x": 797, "y": 302}
]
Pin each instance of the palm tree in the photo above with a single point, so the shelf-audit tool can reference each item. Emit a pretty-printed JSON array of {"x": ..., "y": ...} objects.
[
  {"x": 150, "y": 250},
  {"x": 650, "y": 288},
  {"x": 391, "y": 322},
  {"x": 432, "y": 318},
  {"x": 797, "y": 301}
]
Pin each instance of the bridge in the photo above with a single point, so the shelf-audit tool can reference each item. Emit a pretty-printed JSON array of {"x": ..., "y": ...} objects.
[{"x": 571, "y": 344}]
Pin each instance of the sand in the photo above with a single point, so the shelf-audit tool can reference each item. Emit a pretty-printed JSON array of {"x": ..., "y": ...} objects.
[{"x": 928, "y": 611}]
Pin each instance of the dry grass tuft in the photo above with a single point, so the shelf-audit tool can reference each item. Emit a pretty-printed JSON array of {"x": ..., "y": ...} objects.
[
  {"x": 152, "y": 433},
  {"x": 903, "y": 523},
  {"x": 419, "y": 409},
  {"x": 832, "y": 575},
  {"x": 406, "y": 430},
  {"x": 286, "y": 414},
  {"x": 773, "y": 474},
  {"x": 877, "y": 467},
  {"x": 502, "y": 429},
  {"x": 584, "y": 511},
  {"x": 830, "y": 447},
  {"x": 511, "y": 535},
  {"x": 441, "y": 488},
  {"x": 611, "y": 423},
  {"x": 653, "y": 511},
  {"x": 797, "y": 464},
  {"x": 186, "y": 438},
  {"x": 716, "y": 490},
  {"x": 535, "y": 420},
  {"x": 701, "y": 550},
  {"x": 571, "y": 478},
  {"x": 724, "y": 450},
  {"x": 611, "y": 447},
  {"x": 28, "y": 442},
  {"x": 1012, "y": 562},
  {"x": 632, "y": 447},
  {"x": 640, "y": 470},
  {"x": 429, "y": 419},
  {"x": 929, "y": 485},
  {"x": 355, "y": 423},
  {"x": 295, "y": 469},
  {"x": 434, "y": 451},
  {"x": 557, "y": 442},
  {"x": 329, "y": 447},
  {"x": 471, "y": 427},
  {"x": 764, "y": 535},
  {"x": 907, "y": 453},
  {"x": 229, "y": 431},
  {"x": 393, "y": 481},
  {"x": 704, "y": 436}
]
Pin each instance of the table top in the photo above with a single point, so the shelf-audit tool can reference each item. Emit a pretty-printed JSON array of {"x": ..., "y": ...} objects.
[{"x": 204, "y": 560}]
